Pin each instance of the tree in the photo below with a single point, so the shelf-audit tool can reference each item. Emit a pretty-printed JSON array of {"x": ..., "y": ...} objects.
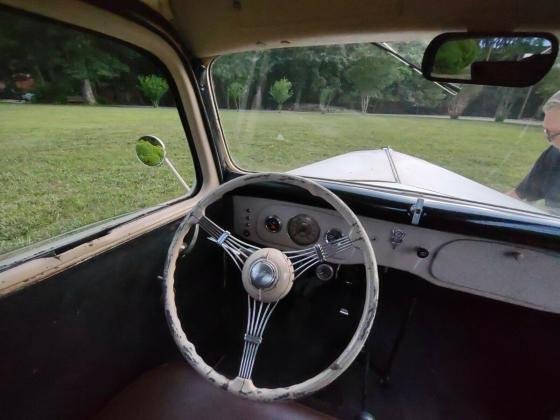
[
  {"x": 263, "y": 64},
  {"x": 236, "y": 91},
  {"x": 281, "y": 91},
  {"x": 232, "y": 68},
  {"x": 550, "y": 84},
  {"x": 153, "y": 87},
  {"x": 326, "y": 96},
  {"x": 301, "y": 65},
  {"x": 459, "y": 103},
  {"x": 371, "y": 72},
  {"x": 87, "y": 61}
]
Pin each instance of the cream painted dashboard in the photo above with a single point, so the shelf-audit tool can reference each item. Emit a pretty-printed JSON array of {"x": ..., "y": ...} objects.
[{"x": 501, "y": 271}]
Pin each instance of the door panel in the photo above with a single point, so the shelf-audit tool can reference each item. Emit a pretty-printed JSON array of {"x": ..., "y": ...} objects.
[{"x": 72, "y": 341}]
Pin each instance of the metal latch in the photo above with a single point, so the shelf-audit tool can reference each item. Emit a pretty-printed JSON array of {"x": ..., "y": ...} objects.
[{"x": 416, "y": 210}]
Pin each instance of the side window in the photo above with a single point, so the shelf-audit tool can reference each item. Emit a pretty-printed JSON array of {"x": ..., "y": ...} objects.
[{"x": 72, "y": 106}]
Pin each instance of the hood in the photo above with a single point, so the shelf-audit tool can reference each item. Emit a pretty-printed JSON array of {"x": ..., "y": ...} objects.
[{"x": 382, "y": 166}]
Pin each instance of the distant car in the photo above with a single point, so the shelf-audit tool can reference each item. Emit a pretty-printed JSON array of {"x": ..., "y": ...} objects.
[{"x": 28, "y": 97}]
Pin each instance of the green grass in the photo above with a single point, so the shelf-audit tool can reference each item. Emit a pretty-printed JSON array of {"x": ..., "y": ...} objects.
[
  {"x": 495, "y": 154},
  {"x": 64, "y": 167}
]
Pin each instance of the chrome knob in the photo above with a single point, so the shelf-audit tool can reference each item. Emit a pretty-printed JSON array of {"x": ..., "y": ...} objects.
[{"x": 263, "y": 274}]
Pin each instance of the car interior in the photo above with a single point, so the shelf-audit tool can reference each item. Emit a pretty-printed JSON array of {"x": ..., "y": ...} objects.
[{"x": 233, "y": 284}]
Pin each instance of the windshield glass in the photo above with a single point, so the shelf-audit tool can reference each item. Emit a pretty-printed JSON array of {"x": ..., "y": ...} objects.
[{"x": 356, "y": 113}]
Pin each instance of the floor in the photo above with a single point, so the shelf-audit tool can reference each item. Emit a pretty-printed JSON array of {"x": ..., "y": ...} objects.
[{"x": 460, "y": 357}]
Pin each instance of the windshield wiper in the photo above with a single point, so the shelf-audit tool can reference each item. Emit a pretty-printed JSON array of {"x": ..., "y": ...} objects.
[{"x": 447, "y": 87}]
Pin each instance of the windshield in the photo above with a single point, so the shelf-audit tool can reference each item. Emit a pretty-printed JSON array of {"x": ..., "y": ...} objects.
[{"x": 355, "y": 113}]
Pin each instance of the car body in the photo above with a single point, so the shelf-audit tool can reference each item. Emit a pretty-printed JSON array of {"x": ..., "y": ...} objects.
[{"x": 469, "y": 292}]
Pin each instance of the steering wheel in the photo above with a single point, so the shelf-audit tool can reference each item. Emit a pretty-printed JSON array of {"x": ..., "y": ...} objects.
[{"x": 267, "y": 276}]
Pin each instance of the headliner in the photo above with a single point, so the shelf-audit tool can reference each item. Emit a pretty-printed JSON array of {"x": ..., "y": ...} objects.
[{"x": 214, "y": 27}]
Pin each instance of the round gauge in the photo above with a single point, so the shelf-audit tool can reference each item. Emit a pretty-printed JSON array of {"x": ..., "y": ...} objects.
[
  {"x": 303, "y": 229},
  {"x": 273, "y": 224}
]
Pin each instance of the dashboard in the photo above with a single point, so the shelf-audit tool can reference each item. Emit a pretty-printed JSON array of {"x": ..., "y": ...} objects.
[{"x": 506, "y": 271}]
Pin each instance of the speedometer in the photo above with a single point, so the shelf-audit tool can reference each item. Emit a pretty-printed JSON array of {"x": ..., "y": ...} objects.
[{"x": 303, "y": 229}]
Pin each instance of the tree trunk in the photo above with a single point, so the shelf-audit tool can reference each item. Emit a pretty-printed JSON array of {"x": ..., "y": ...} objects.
[
  {"x": 263, "y": 73},
  {"x": 460, "y": 101},
  {"x": 299, "y": 89},
  {"x": 38, "y": 74},
  {"x": 87, "y": 92},
  {"x": 505, "y": 104},
  {"x": 257, "y": 99},
  {"x": 365, "y": 103}
]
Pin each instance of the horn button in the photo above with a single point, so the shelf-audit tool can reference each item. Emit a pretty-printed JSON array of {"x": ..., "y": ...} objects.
[{"x": 268, "y": 275}]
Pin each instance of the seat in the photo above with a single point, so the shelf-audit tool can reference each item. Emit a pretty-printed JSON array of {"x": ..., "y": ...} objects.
[{"x": 176, "y": 391}]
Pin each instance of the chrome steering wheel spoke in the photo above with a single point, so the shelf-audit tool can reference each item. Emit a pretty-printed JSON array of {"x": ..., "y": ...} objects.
[
  {"x": 237, "y": 249},
  {"x": 258, "y": 314},
  {"x": 303, "y": 259}
]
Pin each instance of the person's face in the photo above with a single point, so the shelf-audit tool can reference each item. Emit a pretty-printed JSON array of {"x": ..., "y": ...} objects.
[{"x": 551, "y": 126}]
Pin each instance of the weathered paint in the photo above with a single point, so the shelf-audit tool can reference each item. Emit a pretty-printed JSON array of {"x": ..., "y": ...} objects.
[{"x": 245, "y": 387}]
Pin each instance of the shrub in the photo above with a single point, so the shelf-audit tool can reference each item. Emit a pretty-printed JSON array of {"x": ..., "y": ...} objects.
[
  {"x": 236, "y": 91},
  {"x": 153, "y": 88},
  {"x": 52, "y": 93},
  {"x": 281, "y": 91}
]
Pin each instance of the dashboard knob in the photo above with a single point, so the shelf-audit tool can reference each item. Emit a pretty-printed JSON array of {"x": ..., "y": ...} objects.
[
  {"x": 273, "y": 224},
  {"x": 324, "y": 272},
  {"x": 422, "y": 252}
]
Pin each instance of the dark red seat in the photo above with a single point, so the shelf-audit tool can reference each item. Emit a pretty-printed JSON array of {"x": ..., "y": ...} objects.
[{"x": 175, "y": 391}]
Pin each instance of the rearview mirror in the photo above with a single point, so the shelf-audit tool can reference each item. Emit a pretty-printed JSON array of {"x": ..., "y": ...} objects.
[{"x": 515, "y": 59}]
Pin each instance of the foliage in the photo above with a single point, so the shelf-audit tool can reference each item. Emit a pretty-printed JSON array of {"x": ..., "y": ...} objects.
[
  {"x": 325, "y": 97},
  {"x": 371, "y": 71},
  {"x": 53, "y": 93},
  {"x": 236, "y": 91},
  {"x": 549, "y": 85},
  {"x": 65, "y": 62},
  {"x": 420, "y": 93},
  {"x": 59, "y": 58},
  {"x": 85, "y": 59},
  {"x": 281, "y": 91},
  {"x": 153, "y": 87},
  {"x": 453, "y": 56}
]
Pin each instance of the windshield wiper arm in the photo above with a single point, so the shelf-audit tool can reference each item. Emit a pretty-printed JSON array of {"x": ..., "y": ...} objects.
[{"x": 447, "y": 87}]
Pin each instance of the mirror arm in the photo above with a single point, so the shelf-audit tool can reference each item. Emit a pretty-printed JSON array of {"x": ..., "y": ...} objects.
[
  {"x": 446, "y": 87},
  {"x": 179, "y": 177}
]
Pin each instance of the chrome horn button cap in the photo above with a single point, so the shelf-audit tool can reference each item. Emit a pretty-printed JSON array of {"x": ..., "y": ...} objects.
[
  {"x": 263, "y": 274},
  {"x": 268, "y": 275}
]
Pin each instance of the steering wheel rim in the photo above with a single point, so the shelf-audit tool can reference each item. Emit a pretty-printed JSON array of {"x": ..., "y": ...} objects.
[{"x": 243, "y": 386}]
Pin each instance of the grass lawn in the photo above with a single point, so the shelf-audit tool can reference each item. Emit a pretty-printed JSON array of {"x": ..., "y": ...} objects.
[
  {"x": 65, "y": 167},
  {"x": 495, "y": 154}
]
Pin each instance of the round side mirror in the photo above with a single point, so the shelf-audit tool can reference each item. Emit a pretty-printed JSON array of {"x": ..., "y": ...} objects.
[{"x": 150, "y": 150}]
